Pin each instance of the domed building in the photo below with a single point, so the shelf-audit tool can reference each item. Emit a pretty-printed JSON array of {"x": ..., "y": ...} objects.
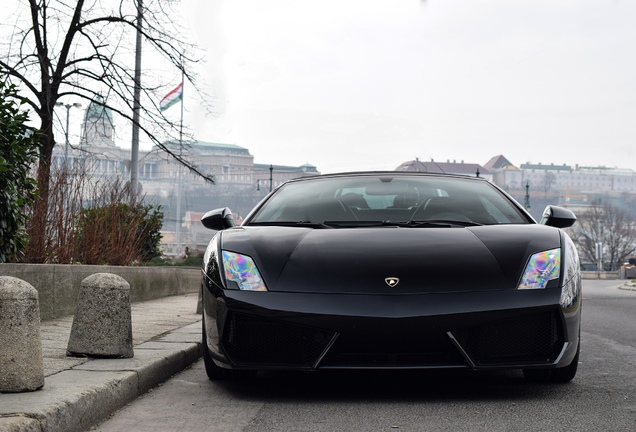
[
  {"x": 240, "y": 182},
  {"x": 96, "y": 150},
  {"x": 97, "y": 127},
  {"x": 97, "y": 141}
]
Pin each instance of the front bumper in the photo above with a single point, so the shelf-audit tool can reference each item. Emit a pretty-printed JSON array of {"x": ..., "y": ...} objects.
[{"x": 303, "y": 331}]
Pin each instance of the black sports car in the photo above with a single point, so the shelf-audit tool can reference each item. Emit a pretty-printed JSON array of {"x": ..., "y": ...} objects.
[{"x": 391, "y": 270}]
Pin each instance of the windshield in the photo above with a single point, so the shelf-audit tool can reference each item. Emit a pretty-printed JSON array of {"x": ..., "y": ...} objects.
[{"x": 403, "y": 200}]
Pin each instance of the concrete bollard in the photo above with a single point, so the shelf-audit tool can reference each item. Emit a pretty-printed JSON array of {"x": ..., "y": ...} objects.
[
  {"x": 102, "y": 325},
  {"x": 21, "y": 364}
]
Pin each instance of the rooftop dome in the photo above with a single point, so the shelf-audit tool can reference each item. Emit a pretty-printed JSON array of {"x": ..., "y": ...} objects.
[{"x": 96, "y": 110}]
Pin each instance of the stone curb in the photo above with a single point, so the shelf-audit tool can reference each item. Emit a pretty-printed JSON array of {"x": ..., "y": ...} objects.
[
  {"x": 76, "y": 399},
  {"x": 629, "y": 286}
]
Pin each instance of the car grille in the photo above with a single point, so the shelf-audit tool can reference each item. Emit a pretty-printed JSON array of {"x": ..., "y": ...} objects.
[
  {"x": 252, "y": 340},
  {"x": 397, "y": 344},
  {"x": 534, "y": 337},
  {"x": 384, "y": 360}
]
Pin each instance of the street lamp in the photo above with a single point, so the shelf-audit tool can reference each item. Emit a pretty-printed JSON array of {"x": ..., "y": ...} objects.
[
  {"x": 68, "y": 109},
  {"x": 271, "y": 170}
]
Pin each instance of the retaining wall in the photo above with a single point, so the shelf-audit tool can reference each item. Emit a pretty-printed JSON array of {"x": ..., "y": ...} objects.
[
  {"x": 602, "y": 275},
  {"x": 58, "y": 284}
]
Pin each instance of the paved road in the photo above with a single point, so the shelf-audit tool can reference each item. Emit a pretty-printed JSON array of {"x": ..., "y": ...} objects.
[{"x": 601, "y": 397}]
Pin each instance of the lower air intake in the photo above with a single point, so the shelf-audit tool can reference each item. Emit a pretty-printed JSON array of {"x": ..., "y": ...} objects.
[
  {"x": 387, "y": 360},
  {"x": 535, "y": 337},
  {"x": 252, "y": 340}
]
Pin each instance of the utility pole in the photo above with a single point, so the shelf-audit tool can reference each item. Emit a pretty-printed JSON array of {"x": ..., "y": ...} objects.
[{"x": 134, "y": 152}]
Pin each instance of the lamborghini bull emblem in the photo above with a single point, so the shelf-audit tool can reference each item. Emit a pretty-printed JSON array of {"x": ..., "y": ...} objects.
[{"x": 391, "y": 281}]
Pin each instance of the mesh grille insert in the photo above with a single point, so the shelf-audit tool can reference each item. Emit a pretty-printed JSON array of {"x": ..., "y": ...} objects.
[
  {"x": 380, "y": 360},
  {"x": 251, "y": 339},
  {"x": 534, "y": 337}
]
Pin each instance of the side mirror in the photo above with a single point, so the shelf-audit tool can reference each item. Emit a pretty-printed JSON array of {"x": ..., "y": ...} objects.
[
  {"x": 558, "y": 217},
  {"x": 218, "y": 219}
]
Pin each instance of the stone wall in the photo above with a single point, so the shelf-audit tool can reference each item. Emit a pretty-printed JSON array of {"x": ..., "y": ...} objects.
[
  {"x": 603, "y": 275},
  {"x": 58, "y": 285}
]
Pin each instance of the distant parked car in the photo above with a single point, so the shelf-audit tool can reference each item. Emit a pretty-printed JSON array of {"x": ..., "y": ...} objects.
[{"x": 391, "y": 270}]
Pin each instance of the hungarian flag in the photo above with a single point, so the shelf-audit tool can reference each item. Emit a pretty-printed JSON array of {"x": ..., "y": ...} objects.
[{"x": 171, "y": 98}]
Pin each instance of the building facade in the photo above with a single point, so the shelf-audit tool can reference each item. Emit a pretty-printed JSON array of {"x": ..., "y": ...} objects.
[
  {"x": 238, "y": 180},
  {"x": 562, "y": 178},
  {"x": 448, "y": 167}
]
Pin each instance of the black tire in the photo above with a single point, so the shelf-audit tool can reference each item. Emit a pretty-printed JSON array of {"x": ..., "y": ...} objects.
[
  {"x": 216, "y": 373},
  {"x": 560, "y": 375}
]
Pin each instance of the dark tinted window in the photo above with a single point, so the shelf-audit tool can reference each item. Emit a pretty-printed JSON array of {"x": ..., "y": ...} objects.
[{"x": 401, "y": 199}]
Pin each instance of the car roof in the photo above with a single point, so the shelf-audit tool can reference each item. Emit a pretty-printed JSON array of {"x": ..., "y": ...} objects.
[{"x": 387, "y": 174}]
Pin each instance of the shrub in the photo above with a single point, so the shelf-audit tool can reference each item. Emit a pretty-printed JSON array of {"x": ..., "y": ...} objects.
[
  {"x": 119, "y": 234},
  {"x": 17, "y": 190}
]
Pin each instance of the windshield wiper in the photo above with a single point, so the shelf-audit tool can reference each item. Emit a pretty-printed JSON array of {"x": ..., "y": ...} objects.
[
  {"x": 386, "y": 223},
  {"x": 434, "y": 223},
  {"x": 353, "y": 224},
  {"x": 329, "y": 224},
  {"x": 303, "y": 224},
  {"x": 438, "y": 222}
]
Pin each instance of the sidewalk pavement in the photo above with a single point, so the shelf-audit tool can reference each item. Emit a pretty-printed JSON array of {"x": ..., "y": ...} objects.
[{"x": 80, "y": 392}]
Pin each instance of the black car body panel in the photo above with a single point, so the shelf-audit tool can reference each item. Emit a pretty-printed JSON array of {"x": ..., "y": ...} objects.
[
  {"x": 389, "y": 325},
  {"x": 358, "y": 261},
  {"x": 329, "y": 304}
]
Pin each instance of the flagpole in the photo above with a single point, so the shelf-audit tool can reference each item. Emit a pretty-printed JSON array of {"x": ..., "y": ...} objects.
[{"x": 179, "y": 184}]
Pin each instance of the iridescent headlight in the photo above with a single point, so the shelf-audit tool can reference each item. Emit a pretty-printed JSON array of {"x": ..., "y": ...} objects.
[
  {"x": 542, "y": 267},
  {"x": 242, "y": 270}
]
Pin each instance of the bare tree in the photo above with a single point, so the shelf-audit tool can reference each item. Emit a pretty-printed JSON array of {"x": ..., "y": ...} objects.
[
  {"x": 85, "y": 48},
  {"x": 612, "y": 226}
]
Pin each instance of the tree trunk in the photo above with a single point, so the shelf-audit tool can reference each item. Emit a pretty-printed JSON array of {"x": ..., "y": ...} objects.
[{"x": 36, "y": 250}]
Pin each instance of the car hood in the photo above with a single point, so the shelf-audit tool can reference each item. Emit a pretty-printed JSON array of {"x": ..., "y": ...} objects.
[{"x": 359, "y": 260}]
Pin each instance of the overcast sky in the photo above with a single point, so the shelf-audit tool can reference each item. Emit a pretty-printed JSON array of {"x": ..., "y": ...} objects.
[{"x": 369, "y": 84}]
